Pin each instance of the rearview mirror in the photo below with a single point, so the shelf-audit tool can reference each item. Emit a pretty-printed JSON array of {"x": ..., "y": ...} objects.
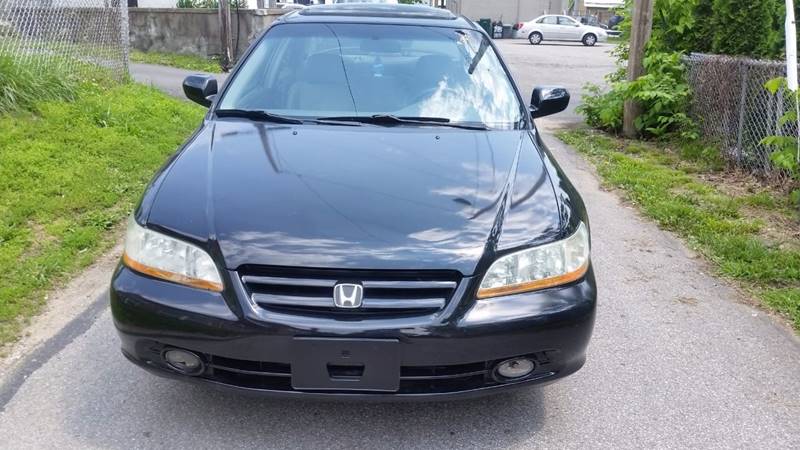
[
  {"x": 547, "y": 100},
  {"x": 200, "y": 89}
]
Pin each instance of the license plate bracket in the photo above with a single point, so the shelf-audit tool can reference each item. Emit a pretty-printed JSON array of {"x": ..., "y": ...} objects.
[{"x": 345, "y": 364}]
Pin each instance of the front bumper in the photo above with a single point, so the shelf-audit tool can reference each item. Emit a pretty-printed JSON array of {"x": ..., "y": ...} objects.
[{"x": 450, "y": 354}]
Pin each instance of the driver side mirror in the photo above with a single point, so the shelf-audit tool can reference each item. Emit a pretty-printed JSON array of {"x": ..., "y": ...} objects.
[
  {"x": 547, "y": 100},
  {"x": 200, "y": 89}
]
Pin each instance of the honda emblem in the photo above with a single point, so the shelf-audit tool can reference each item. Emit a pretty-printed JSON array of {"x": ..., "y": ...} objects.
[{"x": 347, "y": 295}]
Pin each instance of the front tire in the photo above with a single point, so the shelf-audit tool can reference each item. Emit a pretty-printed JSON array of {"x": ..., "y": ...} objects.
[
  {"x": 535, "y": 38},
  {"x": 589, "y": 40}
]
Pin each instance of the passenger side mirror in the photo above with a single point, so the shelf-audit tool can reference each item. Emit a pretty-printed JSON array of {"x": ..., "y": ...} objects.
[
  {"x": 200, "y": 89},
  {"x": 547, "y": 100}
]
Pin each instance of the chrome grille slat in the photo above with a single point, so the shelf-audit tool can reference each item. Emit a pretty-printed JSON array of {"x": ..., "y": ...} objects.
[
  {"x": 367, "y": 303},
  {"x": 393, "y": 303},
  {"x": 311, "y": 290},
  {"x": 284, "y": 281},
  {"x": 292, "y": 300},
  {"x": 370, "y": 284}
]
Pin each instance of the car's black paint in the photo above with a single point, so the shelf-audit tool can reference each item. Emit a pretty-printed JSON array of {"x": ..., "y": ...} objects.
[
  {"x": 359, "y": 197},
  {"x": 370, "y": 198}
]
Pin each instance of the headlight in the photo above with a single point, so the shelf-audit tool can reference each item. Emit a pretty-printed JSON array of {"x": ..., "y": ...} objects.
[
  {"x": 161, "y": 256},
  {"x": 539, "y": 267}
]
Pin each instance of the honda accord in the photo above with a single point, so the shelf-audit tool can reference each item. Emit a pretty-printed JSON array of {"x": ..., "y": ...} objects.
[{"x": 367, "y": 211}]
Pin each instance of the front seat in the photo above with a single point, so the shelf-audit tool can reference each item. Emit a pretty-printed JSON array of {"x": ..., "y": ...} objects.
[
  {"x": 322, "y": 86},
  {"x": 431, "y": 70}
]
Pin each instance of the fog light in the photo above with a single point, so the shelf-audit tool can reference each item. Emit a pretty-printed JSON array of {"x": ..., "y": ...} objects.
[
  {"x": 183, "y": 361},
  {"x": 515, "y": 368}
]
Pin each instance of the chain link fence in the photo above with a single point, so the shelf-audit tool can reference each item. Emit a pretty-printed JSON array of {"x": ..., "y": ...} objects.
[
  {"x": 735, "y": 111},
  {"x": 78, "y": 35}
]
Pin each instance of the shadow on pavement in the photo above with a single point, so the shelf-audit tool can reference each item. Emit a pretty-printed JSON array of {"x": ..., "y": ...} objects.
[{"x": 128, "y": 404}]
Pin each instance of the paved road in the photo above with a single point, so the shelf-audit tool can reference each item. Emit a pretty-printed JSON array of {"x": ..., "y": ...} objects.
[
  {"x": 570, "y": 65},
  {"x": 677, "y": 360},
  {"x": 168, "y": 79}
]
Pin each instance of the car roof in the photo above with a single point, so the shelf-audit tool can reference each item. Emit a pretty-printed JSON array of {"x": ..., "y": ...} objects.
[{"x": 380, "y": 13}]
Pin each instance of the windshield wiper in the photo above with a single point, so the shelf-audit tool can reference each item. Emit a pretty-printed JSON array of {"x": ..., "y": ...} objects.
[
  {"x": 253, "y": 114},
  {"x": 388, "y": 119},
  {"x": 478, "y": 56}
]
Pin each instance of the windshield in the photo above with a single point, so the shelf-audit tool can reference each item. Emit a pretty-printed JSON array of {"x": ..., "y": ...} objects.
[{"x": 328, "y": 70}]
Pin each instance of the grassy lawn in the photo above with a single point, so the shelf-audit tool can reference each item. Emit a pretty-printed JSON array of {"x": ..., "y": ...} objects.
[
  {"x": 751, "y": 234},
  {"x": 189, "y": 62},
  {"x": 69, "y": 173}
]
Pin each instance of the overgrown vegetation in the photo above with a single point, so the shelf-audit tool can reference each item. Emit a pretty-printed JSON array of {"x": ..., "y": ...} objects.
[
  {"x": 752, "y": 235},
  {"x": 22, "y": 86},
  {"x": 729, "y": 27},
  {"x": 73, "y": 160},
  {"x": 189, "y": 62}
]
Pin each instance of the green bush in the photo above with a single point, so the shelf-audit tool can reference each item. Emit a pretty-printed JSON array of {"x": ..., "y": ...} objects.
[
  {"x": 785, "y": 150},
  {"x": 727, "y": 27},
  {"x": 662, "y": 92}
]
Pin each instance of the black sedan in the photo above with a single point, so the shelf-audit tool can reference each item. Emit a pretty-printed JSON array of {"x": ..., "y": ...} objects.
[{"x": 367, "y": 211}]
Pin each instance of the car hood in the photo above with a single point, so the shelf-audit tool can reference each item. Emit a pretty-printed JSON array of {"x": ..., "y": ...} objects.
[{"x": 363, "y": 197}]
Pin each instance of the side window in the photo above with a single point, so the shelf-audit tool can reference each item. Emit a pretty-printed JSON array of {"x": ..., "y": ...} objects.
[
  {"x": 549, "y": 20},
  {"x": 562, "y": 20}
]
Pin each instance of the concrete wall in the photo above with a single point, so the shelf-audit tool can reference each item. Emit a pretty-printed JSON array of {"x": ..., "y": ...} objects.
[
  {"x": 250, "y": 4},
  {"x": 193, "y": 31},
  {"x": 509, "y": 11}
]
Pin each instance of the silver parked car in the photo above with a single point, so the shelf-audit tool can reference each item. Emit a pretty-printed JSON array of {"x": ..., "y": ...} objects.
[{"x": 560, "y": 28}]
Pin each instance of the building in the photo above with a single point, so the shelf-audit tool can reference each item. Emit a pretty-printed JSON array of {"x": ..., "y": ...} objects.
[
  {"x": 602, "y": 9},
  {"x": 507, "y": 11}
]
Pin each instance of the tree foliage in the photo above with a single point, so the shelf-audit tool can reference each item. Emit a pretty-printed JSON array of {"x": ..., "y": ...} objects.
[
  {"x": 749, "y": 28},
  {"x": 730, "y": 27}
]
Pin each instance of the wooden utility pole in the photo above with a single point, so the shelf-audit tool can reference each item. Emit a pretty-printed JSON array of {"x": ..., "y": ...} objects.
[
  {"x": 225, "y": 34},
  {"x": 640, "y": 33}
]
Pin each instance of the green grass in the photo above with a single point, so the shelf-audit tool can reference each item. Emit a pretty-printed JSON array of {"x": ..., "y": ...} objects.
[
  {"x": 70, "y": 171},
  {"x": 189, "y": 62},
  {"x": 748, "y": 235}
]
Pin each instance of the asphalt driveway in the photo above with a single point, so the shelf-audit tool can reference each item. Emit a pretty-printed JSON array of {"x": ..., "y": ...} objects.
[{"x": 678, "y": 359}]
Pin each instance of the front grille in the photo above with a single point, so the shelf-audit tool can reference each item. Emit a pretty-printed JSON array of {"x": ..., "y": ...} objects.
[{"x": 310, "y": 291}]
